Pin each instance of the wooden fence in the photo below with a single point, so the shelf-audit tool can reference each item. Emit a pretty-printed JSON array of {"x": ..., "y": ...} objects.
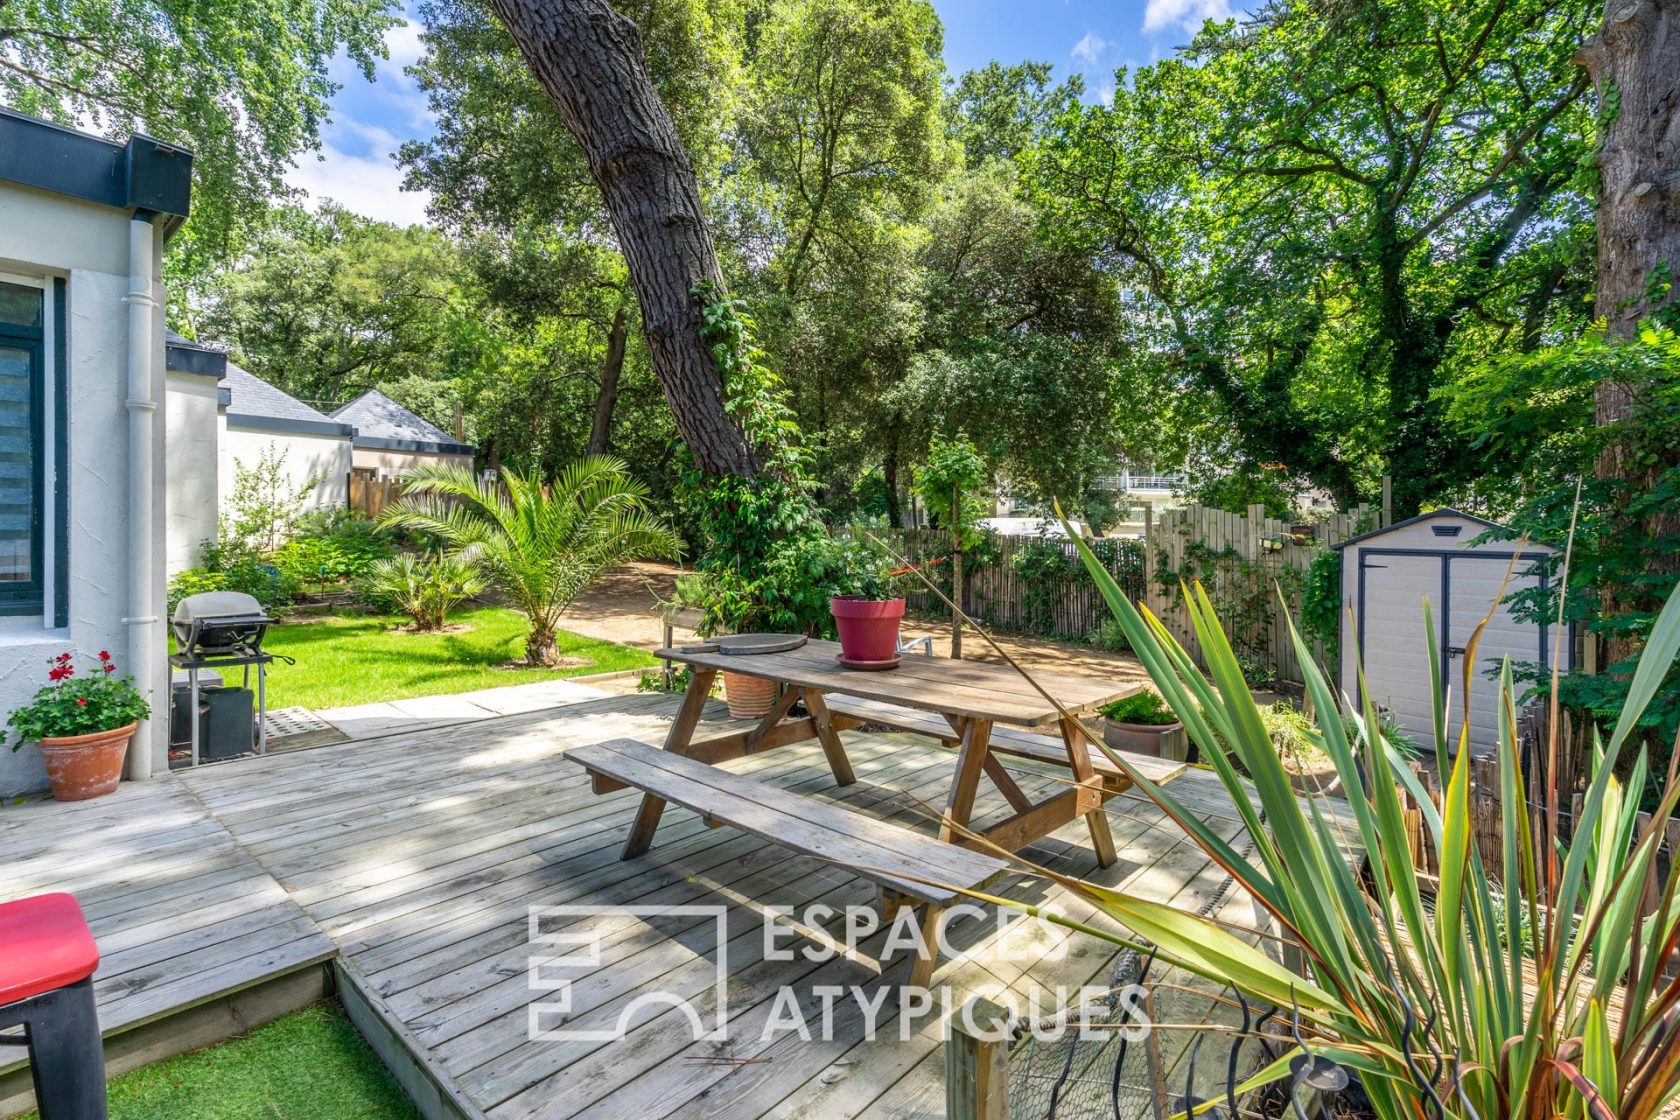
[
  {"x": 1487, "y": 808},
  {"x": 1025, "y": 585},
  {"x": 1032, "y": 585},
  {"x": 1243, "y": 560},
  {"x": 371, "y": 496}
]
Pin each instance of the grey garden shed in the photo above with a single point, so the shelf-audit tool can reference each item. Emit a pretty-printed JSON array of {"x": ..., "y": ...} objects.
[{"x": 1388, "y": 574}]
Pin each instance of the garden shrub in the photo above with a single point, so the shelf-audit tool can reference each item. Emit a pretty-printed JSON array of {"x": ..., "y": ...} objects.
[
  {"x": 1145, "y": 707},
  {"x": 331, "y": 559},
  {"x": 270, "y": 586}
]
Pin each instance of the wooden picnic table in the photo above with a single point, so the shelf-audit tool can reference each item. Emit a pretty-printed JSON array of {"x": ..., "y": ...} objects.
[{"x": 970, "y": 696}]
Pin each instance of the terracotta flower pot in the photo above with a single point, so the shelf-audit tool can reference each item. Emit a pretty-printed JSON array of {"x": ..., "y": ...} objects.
[
  {"x": 748, "y": 697},
  {"x": 868, "y": 627},
  {"x": 1162, "y": 740},
  {"x": 84, "y": 766}
]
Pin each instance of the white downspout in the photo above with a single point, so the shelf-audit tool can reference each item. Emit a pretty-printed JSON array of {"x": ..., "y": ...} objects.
[{"x": 142, "y": 406}]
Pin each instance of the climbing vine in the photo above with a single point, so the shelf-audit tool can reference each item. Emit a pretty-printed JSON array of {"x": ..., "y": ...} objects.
[
  {"x": 1321, "y": 604},
  {"x": 1245, "y": 594}
]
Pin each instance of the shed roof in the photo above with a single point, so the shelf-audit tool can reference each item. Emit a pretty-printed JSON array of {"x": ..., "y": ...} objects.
[
  {"x": 1422, "y": 517},
  {"x": 382, "y": 423},
  {"x": 257, "y": 404}
]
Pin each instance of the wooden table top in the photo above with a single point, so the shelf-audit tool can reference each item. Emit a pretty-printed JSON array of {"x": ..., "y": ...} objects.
[{"x": 975, "y": 689}]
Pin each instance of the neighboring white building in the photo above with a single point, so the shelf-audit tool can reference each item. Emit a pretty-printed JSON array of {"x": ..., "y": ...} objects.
[
  {"x": 192, "y": 423},
  {"x": 258, "y": 418},
  {"x": 83, "y": 223},
  {"x": 390, "y": 439}
]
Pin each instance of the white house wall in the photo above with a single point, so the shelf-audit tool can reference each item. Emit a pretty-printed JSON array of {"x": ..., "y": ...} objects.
[
  {"x": 306, "y": 456},
  {"x": 390, "y": 464},
  {"x": 194, "y": 475},
  {"x": 49, "y": 235}
]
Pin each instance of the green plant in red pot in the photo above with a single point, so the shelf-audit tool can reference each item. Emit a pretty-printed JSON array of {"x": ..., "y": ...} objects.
[
  {"x": 867, "y": 602},
  {"x": 1143, "y": 724},
  {"x": 82, "y": 725}
]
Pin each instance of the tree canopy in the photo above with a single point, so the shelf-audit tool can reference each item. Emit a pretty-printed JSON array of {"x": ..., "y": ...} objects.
[{"x": 245, "y": 87}]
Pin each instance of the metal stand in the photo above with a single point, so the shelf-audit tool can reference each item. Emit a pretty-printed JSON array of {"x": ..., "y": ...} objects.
[{"x": 192, "y": 665}]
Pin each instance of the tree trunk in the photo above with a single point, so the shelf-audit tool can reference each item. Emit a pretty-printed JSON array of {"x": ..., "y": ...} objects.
[
  {"x": 1634, "y": 63},
  {"x": 889, "y": 478},
  {"x": 541, "y": 645},
  {"x": 600, "y": 430},
  {"x": 588, "y": 59},
  {"x": 956, "y": 572}
]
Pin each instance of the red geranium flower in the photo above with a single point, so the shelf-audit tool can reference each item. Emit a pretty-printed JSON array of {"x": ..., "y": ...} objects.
[
  {"x": 104, "y": 655},
  {"x": 109, "y": 668},
  {"x": 60, "y": 673},
  {"x": 81, "y": 701}
]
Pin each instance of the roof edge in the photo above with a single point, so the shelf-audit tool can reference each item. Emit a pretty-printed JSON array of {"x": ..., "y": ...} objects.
[
  {"x": 249, "y": 422},
  {"x": 140, "y": 175},
  {"x": 377, "y": 443},
  {"x": 1444, "y": 511}
]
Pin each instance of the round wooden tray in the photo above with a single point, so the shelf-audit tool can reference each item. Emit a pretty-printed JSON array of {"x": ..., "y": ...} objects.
[{"x": 745, "y": 645}]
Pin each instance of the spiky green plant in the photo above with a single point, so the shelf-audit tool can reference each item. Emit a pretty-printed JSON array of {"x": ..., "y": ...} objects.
[
  {"x": 540, "y": 545},
  {"x": 425, "y": 588},
  {"x": 1444, "y": 1010}
]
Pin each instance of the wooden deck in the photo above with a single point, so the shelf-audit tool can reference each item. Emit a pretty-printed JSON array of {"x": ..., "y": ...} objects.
[{"x": 416, "y": 859}]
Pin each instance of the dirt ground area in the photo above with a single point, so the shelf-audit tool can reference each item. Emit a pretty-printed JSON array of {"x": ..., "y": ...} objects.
[{"x": 622, "y": 607}]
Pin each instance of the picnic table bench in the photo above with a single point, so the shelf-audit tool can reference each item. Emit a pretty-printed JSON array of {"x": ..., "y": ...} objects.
[
  {"x": 908, "y": 866},
  {"x": 855, "y": 711},
  {"x": 956, "y": 701}
]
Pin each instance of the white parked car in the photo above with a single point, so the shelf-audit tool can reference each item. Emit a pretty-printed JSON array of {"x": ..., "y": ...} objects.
[{"x": 1032, "y": 527}]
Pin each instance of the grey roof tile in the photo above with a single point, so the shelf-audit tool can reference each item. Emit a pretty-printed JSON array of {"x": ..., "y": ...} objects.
[{"x": 376, "y": 416}]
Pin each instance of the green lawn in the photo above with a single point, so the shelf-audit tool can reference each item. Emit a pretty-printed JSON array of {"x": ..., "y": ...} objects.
[
  {"x": 360, "y": 659},
  {"x": 309, "y": 1065}
]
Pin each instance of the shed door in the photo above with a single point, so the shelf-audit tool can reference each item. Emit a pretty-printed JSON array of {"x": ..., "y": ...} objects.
[
  {"x": 1473, "y": 581},
  {"x": 1392, "y": 641}
]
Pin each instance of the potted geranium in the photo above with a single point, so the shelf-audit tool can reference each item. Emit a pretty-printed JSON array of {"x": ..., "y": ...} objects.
[
  {"x": 82, "y": 725},
  {"x": 1143, "y": 724}
]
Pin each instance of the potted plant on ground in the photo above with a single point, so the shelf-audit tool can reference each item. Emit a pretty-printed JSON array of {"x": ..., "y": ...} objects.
[
  {"x": 1143, "y": 724},
  {"x": 82, "y": 725},
  {"x": 730, "y": 604}
]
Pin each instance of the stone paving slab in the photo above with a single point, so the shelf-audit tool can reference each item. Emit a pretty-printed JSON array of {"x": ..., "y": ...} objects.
[{"x": 419, "y": 713}]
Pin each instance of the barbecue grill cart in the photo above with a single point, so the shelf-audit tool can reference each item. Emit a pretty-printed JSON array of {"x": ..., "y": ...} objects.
[{"x": 222, "y": 630}]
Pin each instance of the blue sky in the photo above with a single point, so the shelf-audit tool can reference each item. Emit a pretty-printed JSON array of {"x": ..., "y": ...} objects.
[{"x": 1089, "y": 37}]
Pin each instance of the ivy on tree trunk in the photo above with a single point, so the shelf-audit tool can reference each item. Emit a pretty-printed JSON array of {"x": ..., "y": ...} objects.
[{"x": 588, "y": 59}]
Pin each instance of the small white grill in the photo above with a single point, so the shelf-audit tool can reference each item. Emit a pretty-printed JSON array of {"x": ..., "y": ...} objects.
[{"x": 217, "y": 624}]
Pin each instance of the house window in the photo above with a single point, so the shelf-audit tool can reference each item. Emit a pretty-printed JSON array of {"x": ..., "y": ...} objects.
[{"x": 31, "y": 563}]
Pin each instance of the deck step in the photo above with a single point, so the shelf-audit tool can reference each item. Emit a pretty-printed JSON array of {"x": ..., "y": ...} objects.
[
  {"x": 905, "y": 862},
  {"x": 1004, "y": 740}
]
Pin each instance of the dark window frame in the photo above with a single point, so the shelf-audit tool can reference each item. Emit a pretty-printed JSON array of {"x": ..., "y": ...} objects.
[{"x": 26, "y": 598}]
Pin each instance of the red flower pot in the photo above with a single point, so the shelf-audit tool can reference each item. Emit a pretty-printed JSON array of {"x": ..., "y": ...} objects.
[
  {"x": 868, "y": 627},
  {"x": 84, "y": 766}
]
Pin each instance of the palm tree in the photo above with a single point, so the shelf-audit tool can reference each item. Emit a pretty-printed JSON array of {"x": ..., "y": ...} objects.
[{"x": 539, "y": 545}]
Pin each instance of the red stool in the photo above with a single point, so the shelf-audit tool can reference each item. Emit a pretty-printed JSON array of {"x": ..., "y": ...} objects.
[{"x": 47, "y": 958}]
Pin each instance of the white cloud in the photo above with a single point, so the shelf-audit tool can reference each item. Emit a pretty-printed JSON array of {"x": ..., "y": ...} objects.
[
  {"x": 403, "y": 43},
  {"x": 1089, "y": 49},
  {"x": 1105, "y": 93},
  {"x": 1187, "y": 14},
  {"x": 370, "y": 185}
]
